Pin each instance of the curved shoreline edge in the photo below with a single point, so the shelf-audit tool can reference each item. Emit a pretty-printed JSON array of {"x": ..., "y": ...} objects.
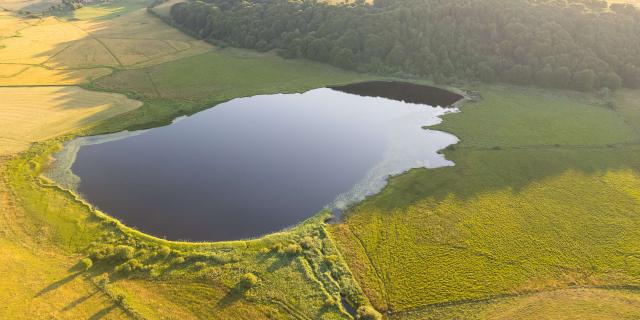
[{"x": 59, "y": 172}]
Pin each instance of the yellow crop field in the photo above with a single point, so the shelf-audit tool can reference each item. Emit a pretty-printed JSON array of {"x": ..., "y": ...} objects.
[
  {"x": 81, "y": 54},
  {"x": 85, "y": 46},
  {"x": 37, "y": 43},
  {"x": 11, "y": 70},
  {"x": 9, "y": 26},
  {"x": 37, "y": 75},
  {"x": 39, "y": 113}
]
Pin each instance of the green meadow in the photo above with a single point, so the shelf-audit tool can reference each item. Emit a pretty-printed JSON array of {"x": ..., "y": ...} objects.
[
  {"x": 538, "y": 218},
  {"x": 543, "y": 197}
]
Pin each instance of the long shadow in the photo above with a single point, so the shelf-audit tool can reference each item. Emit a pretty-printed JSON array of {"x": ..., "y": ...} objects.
[
  {"x": 79, "y": 301},
  {"x": 103, "y": 313},
  {"x": 485, "y": 170},
  {"x": 58, "y": 284},
  {"x": 230, "y": 298},
  {"x": 281, "y": 262}
]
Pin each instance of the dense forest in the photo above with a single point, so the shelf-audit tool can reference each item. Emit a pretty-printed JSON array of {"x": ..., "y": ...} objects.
[{"x": 582, "y": 45}]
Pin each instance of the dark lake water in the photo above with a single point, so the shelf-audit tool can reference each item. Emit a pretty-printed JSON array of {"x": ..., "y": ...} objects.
[{"x": 260, "y": 164}]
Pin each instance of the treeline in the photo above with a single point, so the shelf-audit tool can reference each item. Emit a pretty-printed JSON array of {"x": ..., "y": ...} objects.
[{"x": 583, "y": 45}]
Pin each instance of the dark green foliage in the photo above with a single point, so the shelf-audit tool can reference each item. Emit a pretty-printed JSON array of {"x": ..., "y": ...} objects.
[
  {"x": 86, "y": 263},
  {"x": 124, "y": 252},
  {"x": 307, "y": 242},
  {"x": 293, "y": 249},
  {"x": 556, "y": 44},
  {"x": 248, "y": 281},
  {"x": 130, "y": 266},
  {"x": 164, "y": 251},
  {"x": 584, "y": 80},
  {"x": 178, "y": 260}
]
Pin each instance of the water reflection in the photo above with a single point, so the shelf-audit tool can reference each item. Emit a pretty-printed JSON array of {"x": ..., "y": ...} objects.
[{"x": 257, "y": 165}]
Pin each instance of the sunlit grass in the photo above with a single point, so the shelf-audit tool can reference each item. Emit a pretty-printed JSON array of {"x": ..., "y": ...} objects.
[{"x": 543, "y": 195}]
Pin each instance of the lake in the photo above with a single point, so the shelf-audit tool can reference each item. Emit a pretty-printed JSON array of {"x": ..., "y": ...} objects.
[{"x": 260, "y": 164}]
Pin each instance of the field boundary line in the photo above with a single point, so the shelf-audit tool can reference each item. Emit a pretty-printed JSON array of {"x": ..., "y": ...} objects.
[
  {"x": 153, "y": 84},
  {"x": 91, "y": 36}
]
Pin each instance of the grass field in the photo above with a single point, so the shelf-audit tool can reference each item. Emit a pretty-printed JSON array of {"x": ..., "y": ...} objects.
[
  {"x": 538, "y": 219},
  {"x": 565, "y": 304},
  {"x": 46, "y": 230},
  {"x": 191, "y": 84},
  {"x": 543, "y": 196}
]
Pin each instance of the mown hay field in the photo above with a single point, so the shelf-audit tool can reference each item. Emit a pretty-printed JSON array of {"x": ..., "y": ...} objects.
[
  {"x": 86, "y": 44},
  {"x": 36, "y": 114}
]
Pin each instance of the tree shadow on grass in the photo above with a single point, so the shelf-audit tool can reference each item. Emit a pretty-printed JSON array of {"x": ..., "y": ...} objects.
[
  {"x": 479, "y": 171},
  {"x": 279, "y": 263},
  {"x": 79, "y": 301},
  {"x": 231, "y": 297},
  {"x": 57, "y": 284},
  {"x": 104, "y": 312}
]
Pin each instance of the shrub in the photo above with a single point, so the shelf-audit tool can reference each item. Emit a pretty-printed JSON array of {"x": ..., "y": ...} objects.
[
  {"x": 330, "y": 302},
  {"x": 124, "y": 268},
  {"x": 331, "y": 259},
  {"x": 278, "y": 248},
  {"x": 124, "y": 252},
  {"x": 102, "y": 252},
  {"x": 293, "y": 249},
  {"x": 103, "y": 283},
  {"x": 307, "y": 242},
  {"x": 86, "y": 263},
  {"x": 129, "y": 266},
  {"x": 248, "y": 280},
  {"x": 200, "y": 265},
  {"x": 164, "y": 251},
  {"x": 178, "y": 260},
  {"x": 368, "y": 313}
]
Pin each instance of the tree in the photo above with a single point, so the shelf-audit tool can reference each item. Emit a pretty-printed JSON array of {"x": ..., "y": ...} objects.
[
  {"x": 561, "y": 77},
  {"x": 486, "y": 73},
  {"x": 396, "y": 56},
  {"x": 342, "y": 57},
  {"x": 610, "y": 80},
  {"x": 584, "y": 80},
  {"x": 522, "y": 42},
  {"x": 124, "y": 252},
  {"x": 86, "y": 263},
  {"x": 545, "y": 77},
  {"x": 318, "y": 50},
  {"x": 248, "y": 281}
]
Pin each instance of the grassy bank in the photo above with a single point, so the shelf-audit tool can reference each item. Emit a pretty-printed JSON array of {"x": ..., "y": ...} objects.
[
  {"x": 51, "y": 232},
  {"x": 543, "y": 196}
]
